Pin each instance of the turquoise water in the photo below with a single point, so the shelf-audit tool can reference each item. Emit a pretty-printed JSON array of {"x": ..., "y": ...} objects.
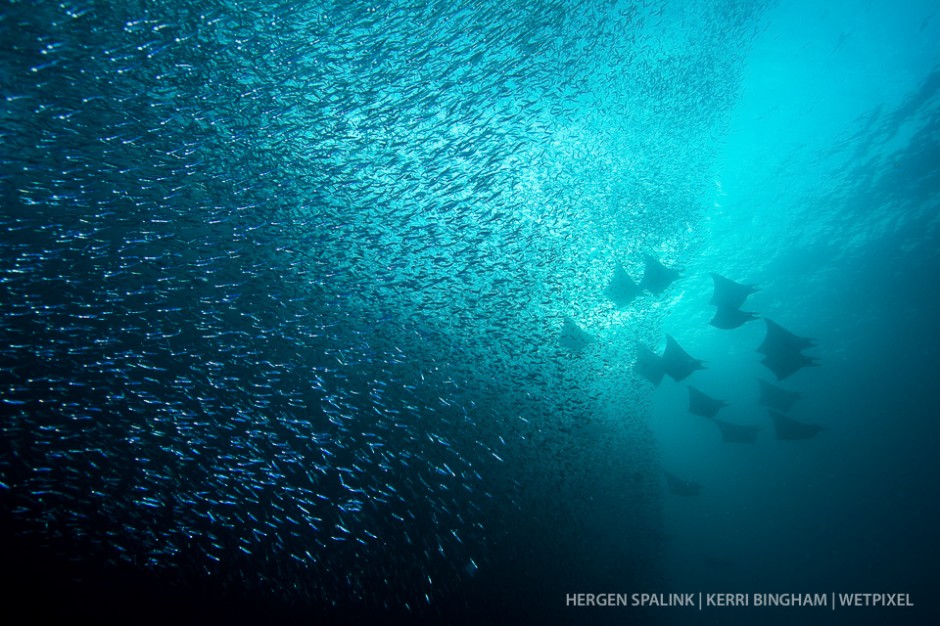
[
  {"x": 306, "y": 310},
  {"x": 826, "y": 197}
]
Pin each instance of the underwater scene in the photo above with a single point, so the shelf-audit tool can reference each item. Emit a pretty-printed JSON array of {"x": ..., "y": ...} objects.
[{"x": 486, "y": 312}]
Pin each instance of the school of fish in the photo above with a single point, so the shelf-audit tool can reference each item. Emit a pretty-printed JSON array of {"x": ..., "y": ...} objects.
[{"x": 282, "y": 282}]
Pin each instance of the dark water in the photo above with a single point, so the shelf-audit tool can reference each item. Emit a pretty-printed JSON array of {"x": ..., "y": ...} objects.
[{"x": 306, "y": 312}]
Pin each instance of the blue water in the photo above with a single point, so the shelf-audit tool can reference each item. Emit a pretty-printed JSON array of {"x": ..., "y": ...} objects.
[
  {"x": 826, "y": 197},
  {"x": 305, "y": 311}
]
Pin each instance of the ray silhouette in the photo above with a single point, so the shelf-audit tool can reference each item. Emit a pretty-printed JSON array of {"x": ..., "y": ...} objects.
[
  {"x": 573, "y": 338},
  {"x": 677, "y": 363},
  {"x": 622, "y": 290},
  {"x": 728, "y": 293},
  {"x": 728, "y": 318},
  {"x": 737, "y": 433},
  {"x": 778, "y": 398},
  {"x": 649, "y": 365},
  {"x": 789, "y": 428},
  {"x": 785, "y": 364},
  {"x": 780, "y": 340},
  {"x": 702, "y": 404},
  {"x": 657, "y": 277}
]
